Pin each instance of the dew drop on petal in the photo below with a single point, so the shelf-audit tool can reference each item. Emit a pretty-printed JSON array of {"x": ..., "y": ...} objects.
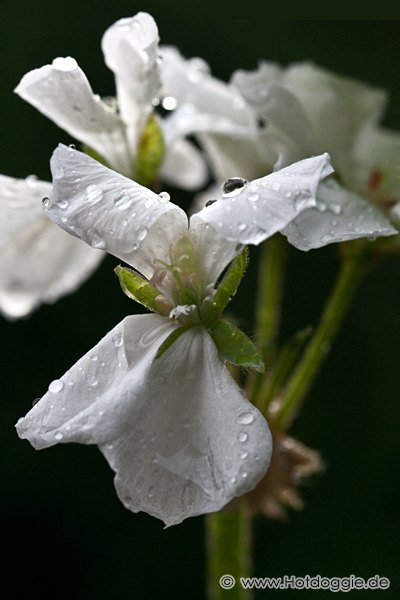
[
  {"x": 96, "y": 241},
  {"x": 117, "y": 340},
  {"x": 148, "y": 203},
  {"x": 91, "y": 379},
  {"x": 72, "y": 146},
  {"x": 276, "y": 186},
  {"x": 45, "y": 202},
  {"x": 123, "y": 201},
  {"x": 150, "y": 491},
  {"x": 56, "y": 386},
  {"x": 164, "y": 197},
  {"x": 233, "y": 480},
  {"x": 242, "y": 226},
  {"x": 242, "y": 437},
  {"x": 63, "y": 204},
  {"x": 142, "y": 233},
  {"x": 94, "y": 193},
  {"x": 232, "y": 186},
  {"x": 59, "y": 436},
  {"x": 253, "y": 197},
  {"x": 243, "y": 454},
  {"x": 245, "y": 418}
]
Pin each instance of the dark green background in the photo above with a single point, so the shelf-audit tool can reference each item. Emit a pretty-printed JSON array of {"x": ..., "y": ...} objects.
[{"x": 64, "y": 532}]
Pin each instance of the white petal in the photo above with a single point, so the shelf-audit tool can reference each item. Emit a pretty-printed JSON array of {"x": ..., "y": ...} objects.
[
  {"x": 20, "y": 205},
  {"x": 184, "y": 166},
  {"x": 90, "y": 403},
  {"x": 40, "y": 265},
  {"x": 195, "y": 442},
  {"x": 284, "y": 116},
  {"x": 262, "y": 207},
  {"x": 62, "y": 93},
  {"x": 178, "y": 431},
  {"x": 130, "y": 49},
  {"x": 111, "y": 212},
  {"x": 337, "y": 107},
  {"x": 340, "y": 215},
  {"x": 189, "y": 82}
]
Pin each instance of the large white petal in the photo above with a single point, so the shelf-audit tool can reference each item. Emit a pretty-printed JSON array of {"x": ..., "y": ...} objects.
[
  {"x": 284, "y": 116},
  {"x": 189, "y": 82},
  {"x": 111, "y": 212},
  {"x": 177, "y": 431},
  {"x": 340, "y": 215},
  {"x": 41, "y": 264},
  {"x": 62, "y": 93},
  {"x": 262, "y": 207},
  {"x": 337, "y": 107},
  {"x": 90, "y": 402},
  {"x": 130, "y": 49},
  {"x": 195, "y": 442},
  {"x": 20, "y": 205},
  {"x": 184, "y": 166}
]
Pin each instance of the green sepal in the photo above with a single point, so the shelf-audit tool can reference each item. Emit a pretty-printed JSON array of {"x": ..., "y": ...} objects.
[
  {"x": 229, "y": 284},
  {"x": 150, "y": 153},
  {"x": 139, "y": 289},
  {"x": 235, "y": 347},
  {"x": 212, "y": 308},
  {"x": 167, "y": 343}
]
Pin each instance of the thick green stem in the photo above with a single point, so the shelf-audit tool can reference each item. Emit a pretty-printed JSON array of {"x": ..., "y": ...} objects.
[
  {"x": 229, "y": 550},
  {"x": 353, "y": 268},
  {"x": 269, "y": 294},
  {"x": 271, "y": 271}
]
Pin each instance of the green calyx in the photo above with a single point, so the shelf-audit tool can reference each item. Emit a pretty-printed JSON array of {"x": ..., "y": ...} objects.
[
  {"x": 233, "y": 345},
  {"x": 150, "y": 153},
  {"x": 139, "y": 289}
]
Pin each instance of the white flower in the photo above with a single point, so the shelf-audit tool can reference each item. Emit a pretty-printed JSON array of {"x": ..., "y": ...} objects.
[
  {"x": 271, "y": 117},
  {"x": 38, "y": 261},
  {"x": 62, "y": 93},
  {"x": 173, "y": 425}
]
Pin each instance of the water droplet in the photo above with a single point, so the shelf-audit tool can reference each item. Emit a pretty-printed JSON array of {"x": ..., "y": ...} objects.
[
  {"x": 288, "y": 194},
  {"x": 72, "y": 146},
  {"x": 63, "y": 204},
  {"x": 56, "y": 386},
  {"x": 150, "y": 491},
  {"x": 244, "y": 475},
  {"x": 36, "y": 400},
  {"x": 335, "y": 208},
  {"x": 233, "y": 480},
  {"x": 276, "y": 187},
  {"x": 148, "y": 203},
  {"x": 94, "y": 193},
  {"x": 242, "y": 226},
  {"x": 45, "y": 202},
  {"x": 150, "y": 335},
  {"x": 59, "y": 436},
  {"x": 142, "y": 233},
  {"x": 232, "y": 186},
  {"x": 164, "y": 197},
  {"x": 169, "y": 103},
  {"x": 95, "y": 240},
  {"x": 253, "y": 197},
  {"x": 64, "y": 220},
  {"x": 117, "y": 340},
  {"x": 91, "y": 379},
  {"x": 243, "y": 454},
  {"x": 123, "y": 201},
  {"x": 93, "y": 357},
  {"x": 242, "y": 437},
  {"x": 245, "y": 418},
  {"x": 321, "y": 206}
]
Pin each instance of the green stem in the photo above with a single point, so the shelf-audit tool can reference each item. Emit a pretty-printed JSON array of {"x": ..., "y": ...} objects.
[
  {"x": 271, "y": 270},
  {"x": 229, "y": 544},
  {"x": 269, "y": 296},
  {"x": 353, "y": 268}
]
